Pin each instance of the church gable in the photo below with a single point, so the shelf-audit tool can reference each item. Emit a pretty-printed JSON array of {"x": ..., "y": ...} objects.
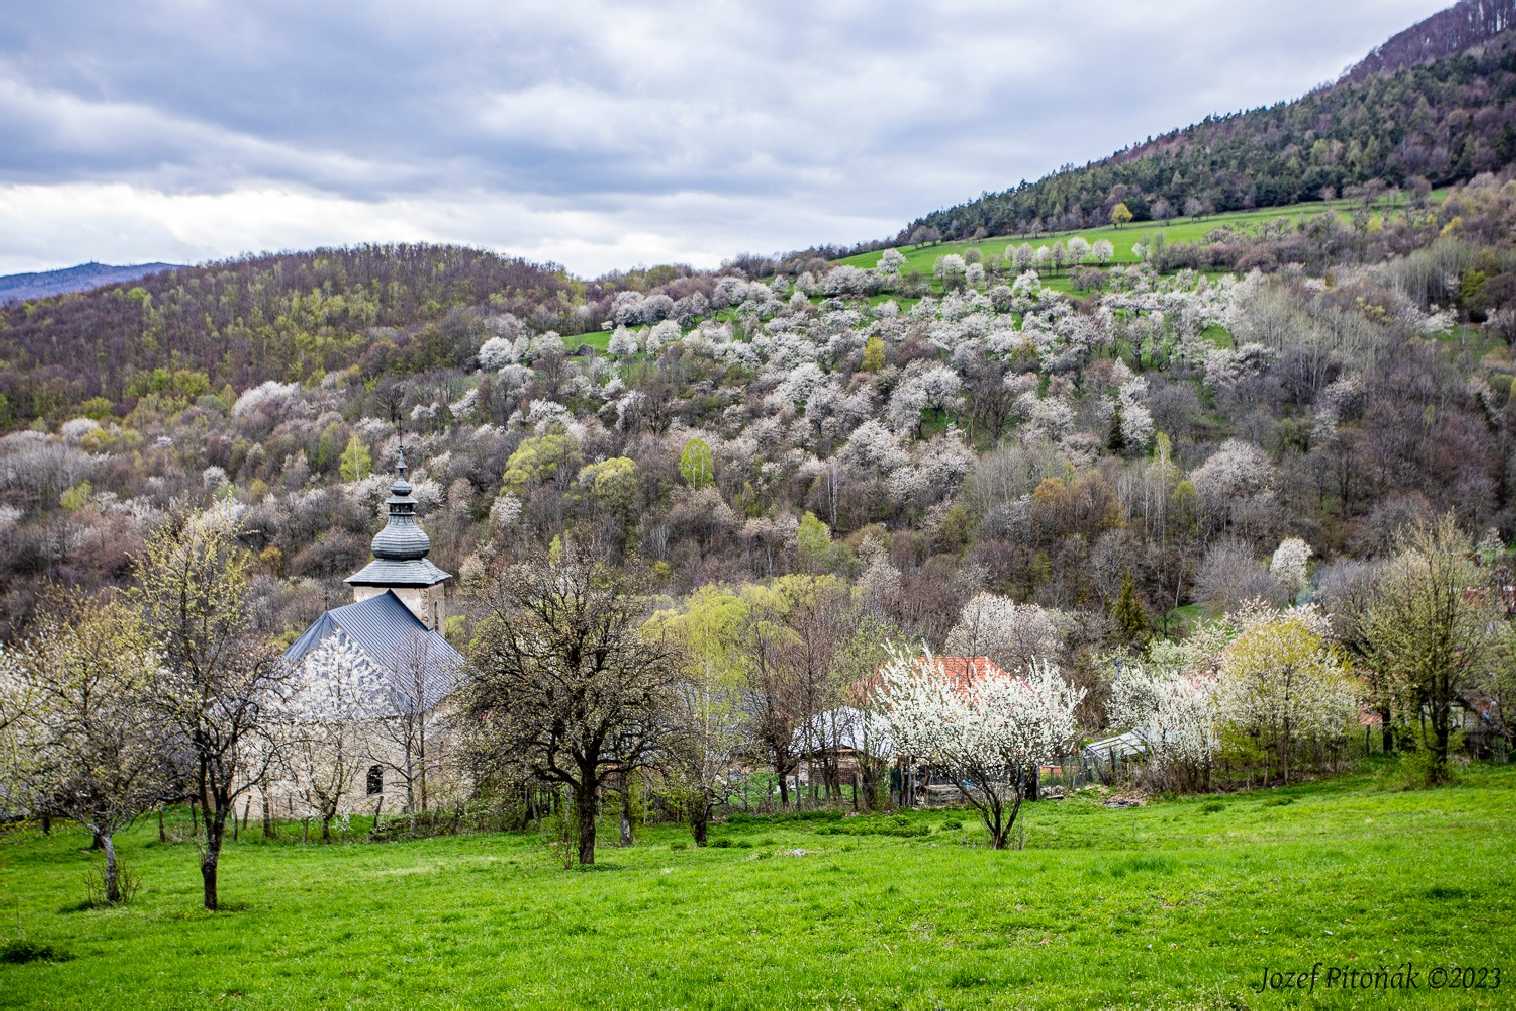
[{"x": 401, "y": 648}]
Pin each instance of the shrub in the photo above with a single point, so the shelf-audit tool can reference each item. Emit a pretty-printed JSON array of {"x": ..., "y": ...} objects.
[
  {"x": 19, "y": 951},
  {"x": 94, "y": 886},
  {"x": 897, "y": 825}
]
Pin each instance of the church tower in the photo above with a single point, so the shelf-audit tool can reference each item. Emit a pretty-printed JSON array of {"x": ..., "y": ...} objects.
[{"x": 400, "y": 563}]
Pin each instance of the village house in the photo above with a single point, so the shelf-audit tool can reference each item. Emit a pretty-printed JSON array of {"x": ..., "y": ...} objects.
[{"x": 838, "y": 746}]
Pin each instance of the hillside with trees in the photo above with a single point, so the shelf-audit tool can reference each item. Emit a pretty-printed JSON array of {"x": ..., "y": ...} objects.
[
  {"x": 950, "y": 611},
  {"x": 274, "y": 316},
  {"x": 1389, "y": 122},
  {"x": 1467, "y": 23}
]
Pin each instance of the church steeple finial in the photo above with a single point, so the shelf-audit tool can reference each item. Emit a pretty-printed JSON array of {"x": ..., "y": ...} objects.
[
  {"x": 402, "y": 539},
  {"x": 400, "y": 564}
]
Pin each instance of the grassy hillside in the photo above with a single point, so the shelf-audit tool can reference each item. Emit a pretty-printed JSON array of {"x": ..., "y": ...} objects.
[
  {"x": 1179, "y": 902},
  {"x": 1178, "y": 230}
]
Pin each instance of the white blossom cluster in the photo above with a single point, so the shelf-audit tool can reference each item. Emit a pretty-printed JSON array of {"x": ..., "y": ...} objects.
[{"x": 985, "y": 729}]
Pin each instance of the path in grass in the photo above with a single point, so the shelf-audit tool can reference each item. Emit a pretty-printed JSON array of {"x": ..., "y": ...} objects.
[{"x": 1180, "y": 902}]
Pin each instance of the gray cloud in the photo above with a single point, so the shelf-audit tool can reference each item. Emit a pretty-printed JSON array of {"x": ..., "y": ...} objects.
[{"x": 597, "y": 135}]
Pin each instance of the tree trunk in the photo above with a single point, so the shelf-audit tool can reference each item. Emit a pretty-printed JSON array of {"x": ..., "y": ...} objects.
[
  {"x": 626, "y": 811},
  {"x": 996, "y": 818},
  {"x": 421, "y": 766},
  {"x": 112, "y": 876},
  {"x": 326, "y": 829},
  {"x": 162, "y": 834},
  {"x": 586, "y": 803},
  {"x": 1284, "y": 751},
  {"x": 1441, "y": 717},
  {"x": 700, "y": 821},
  {"x": 210, "y": 862},
  {"x": 993, "y": 816},
  {"x": 268, "y": 816},
  {"x": 784, "y": 788}
]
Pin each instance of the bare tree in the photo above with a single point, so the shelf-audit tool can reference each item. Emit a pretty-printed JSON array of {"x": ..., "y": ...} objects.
[
  {"x": 220, "y": 686},
  {"x": 560, "y": 677},
  {"x": 817, "y": 617},
  {"x": 405, "y": 735},
  {"x": 771, "y": 700}
]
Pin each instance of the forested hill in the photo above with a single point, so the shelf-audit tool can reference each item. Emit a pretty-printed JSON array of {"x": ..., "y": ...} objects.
[
  {"x": 1465, "y": 24},
  {"x": 276, "y": 316},
  {"x": 1424, "y": 125}
]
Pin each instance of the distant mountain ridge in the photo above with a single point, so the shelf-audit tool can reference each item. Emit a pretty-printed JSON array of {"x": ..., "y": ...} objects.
[{"x": 80, "y": 277}]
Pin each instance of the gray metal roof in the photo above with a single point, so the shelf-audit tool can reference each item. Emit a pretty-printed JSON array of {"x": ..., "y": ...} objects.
[
  {"x": 846, "y": 727},
  {"x": 1133, "y": 742},
  {"x": 402, "y": 538},
  {"x": 385, "y": 572},
  {"x": 401, "y": 547},
  {"x": 395, "y": 641}
]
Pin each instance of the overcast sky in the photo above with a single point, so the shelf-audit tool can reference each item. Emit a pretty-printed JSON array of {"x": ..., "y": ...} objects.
[{"x": 597, "y": 136}]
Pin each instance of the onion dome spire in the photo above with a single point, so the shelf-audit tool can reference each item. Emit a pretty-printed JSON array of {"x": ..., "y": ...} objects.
[{"x": 402, "y": 539}]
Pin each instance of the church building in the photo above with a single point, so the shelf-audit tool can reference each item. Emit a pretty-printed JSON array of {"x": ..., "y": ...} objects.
[{"x": 395, "y": 619}]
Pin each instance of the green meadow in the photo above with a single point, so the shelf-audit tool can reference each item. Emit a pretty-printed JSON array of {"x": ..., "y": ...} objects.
[
  {"x": 1177, "y": 230},
  {"x": 1180, "y": 902}
]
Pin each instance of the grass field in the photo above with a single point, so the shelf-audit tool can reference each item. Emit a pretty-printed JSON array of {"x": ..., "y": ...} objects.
[
  {"x": 1178, "y": 903},
  {"x": 600, "y": 340},
  {"x": 924, "y": 258}
]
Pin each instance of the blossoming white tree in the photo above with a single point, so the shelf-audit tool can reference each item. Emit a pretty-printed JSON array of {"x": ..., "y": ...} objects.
[
  {"x": 891, "y": 261},
  {"x": 1013, "y": 635},
  {"x": 950, "y": 269},
  {"x": 1175, "y": 713},
  {"x": 989, "y": 733},
  {"x": 326, "y": 747},
  {"x": 77, "y": 736},
  {"x": 1289, "y": 565},
  {"x": 623, "y": 343}
]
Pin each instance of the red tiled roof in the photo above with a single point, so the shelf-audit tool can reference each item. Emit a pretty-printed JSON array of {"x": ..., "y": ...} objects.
[{"x": 962, "y": 671}]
